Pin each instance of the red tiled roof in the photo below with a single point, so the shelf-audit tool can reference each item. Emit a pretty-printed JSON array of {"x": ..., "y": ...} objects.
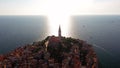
[
  {"x": 54, "y": 39},
  {"x": 1, "y": 57}
]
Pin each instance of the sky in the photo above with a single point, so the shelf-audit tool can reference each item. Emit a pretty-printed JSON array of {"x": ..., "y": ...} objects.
[{"x": 68, "y": 7}]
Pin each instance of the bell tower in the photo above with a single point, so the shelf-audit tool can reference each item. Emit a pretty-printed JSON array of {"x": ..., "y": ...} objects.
[{"x": 59, "y": 31}]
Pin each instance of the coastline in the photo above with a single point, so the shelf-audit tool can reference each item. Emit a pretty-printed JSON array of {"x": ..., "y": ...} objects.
[{"x": 61, "y": 52}]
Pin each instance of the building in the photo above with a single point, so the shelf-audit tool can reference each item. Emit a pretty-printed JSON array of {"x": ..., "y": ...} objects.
[{"x": 59, "y": 31}]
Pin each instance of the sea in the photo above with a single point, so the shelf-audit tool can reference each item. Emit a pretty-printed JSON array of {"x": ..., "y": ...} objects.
[{"x": 102, "y": 31}]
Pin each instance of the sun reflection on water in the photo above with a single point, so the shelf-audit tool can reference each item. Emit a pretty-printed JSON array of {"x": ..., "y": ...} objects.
[
  {"x": 56, "y": 20},
  {"x": 58, "y": 13}
]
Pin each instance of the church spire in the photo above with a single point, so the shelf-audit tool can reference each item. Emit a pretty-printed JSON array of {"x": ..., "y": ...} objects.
[{"x": 59, "y": 31}]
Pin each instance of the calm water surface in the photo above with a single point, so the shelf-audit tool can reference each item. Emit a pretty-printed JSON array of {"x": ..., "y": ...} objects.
[{"x": 103, "y": 31}]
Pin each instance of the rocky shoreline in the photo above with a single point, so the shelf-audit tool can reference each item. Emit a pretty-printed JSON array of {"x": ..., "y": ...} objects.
[{"x": 52, "y": 52}]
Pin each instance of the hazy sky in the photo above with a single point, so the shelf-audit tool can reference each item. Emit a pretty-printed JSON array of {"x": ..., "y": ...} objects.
[{"x": 44, "y": 7}]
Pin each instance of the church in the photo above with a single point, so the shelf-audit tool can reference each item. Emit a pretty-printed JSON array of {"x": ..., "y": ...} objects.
[{"x": 59, "y": 31}]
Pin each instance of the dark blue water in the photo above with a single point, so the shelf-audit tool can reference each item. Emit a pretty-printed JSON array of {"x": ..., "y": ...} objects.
[
  {"x": 16, "y": 31},
  {"x": 102, "y": 31}
]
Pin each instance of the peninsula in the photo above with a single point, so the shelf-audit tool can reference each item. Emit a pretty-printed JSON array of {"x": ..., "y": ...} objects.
[{"x": 52, "y": 52}]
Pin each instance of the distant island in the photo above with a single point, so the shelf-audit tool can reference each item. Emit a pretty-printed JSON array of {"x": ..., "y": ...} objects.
[{"x": 52, "y": 52}]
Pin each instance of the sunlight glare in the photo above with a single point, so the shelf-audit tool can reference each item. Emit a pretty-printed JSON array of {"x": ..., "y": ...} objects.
[
  {"x": 59, "y": 12},
  {"x": 58, "y": 15}
]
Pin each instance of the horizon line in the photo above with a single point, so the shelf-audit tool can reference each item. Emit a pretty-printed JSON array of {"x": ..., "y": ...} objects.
[{"x": 47, "y": 15}]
